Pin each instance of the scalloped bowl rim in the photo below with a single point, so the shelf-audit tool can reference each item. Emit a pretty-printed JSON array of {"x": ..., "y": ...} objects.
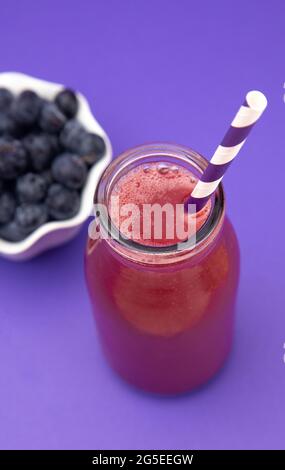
[{"x": 16, "y": 82}]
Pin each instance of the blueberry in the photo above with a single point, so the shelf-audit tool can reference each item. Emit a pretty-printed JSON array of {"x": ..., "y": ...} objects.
[
  {"x": 12, "y": 232},
  {"x": 41, "y": 148},
  {"x": 31, "y": 216},
  {"x": 62, "y": 203},
  {"x": 13, "y": 158},
  {"x": 67, "y": 102},
  {"x": 69, "y": 170},
  {"x": 92, "y": 148},
  {"x": 26, "y": 108},
  {"x": 47, "y": 176},
  {"x": 76, "y": 139},
  {"x": 72, "y": 135},
  {"x": 7, "y": 207},
  {"x": 31, "y": 188},
  {"x": 51, "y": 119},
  {"x": 1, "y": 186},
  {"x": 7, "y": 125},
  {"x": 6, "y": 99}
]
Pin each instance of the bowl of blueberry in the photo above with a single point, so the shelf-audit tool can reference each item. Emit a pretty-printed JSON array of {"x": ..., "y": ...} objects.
[{"x": 52, "y": 153}]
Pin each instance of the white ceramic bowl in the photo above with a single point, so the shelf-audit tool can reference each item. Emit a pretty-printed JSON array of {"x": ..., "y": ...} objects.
[{"x": 56, "y": 233}]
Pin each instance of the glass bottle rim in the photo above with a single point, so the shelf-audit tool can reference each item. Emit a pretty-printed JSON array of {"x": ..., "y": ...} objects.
[{"x": 157, "y": 151}]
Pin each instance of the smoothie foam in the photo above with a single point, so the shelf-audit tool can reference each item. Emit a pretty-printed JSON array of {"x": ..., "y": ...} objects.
[{"x": 156, "y": 183}]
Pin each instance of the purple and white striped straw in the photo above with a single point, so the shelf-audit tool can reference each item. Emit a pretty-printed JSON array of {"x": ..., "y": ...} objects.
[{"x": 246, "y": 117}]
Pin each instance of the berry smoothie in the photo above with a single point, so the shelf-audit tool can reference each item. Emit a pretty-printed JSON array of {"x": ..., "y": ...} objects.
[
  {"x": 156, "y": 184},
  {"x": 164, "y": 315}
]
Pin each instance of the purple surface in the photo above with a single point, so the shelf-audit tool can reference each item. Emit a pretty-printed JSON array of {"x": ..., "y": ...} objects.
[{"x": 159, "y": 70}]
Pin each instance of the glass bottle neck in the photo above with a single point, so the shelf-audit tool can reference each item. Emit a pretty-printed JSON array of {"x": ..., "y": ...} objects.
[{"x": 144, "y": 253}]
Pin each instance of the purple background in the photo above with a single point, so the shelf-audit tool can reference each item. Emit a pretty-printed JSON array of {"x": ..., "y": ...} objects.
[{"x": 153, "y": 70}]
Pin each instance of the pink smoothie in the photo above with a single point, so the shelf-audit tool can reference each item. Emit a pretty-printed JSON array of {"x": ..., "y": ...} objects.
[
  {"x": 157, "y": 183},
  {"x": 165, "y": 325}
]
